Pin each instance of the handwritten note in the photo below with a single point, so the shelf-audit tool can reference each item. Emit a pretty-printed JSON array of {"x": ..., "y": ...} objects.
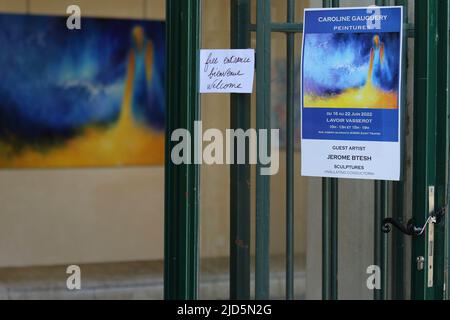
[{"x": 227, "y": 71}]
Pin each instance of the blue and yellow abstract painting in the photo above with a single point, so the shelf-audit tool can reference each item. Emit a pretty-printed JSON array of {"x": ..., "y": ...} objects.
[
  {"x": 81, "y": 98},
  {"x": 351, "y": 70}
]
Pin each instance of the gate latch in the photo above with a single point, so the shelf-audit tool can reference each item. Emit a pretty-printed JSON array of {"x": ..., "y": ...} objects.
[
  {"x": 410, "y": 229},
  {"x": 435, "y": 216}
]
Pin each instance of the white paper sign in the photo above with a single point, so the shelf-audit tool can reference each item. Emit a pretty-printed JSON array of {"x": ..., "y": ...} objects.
[{"x": 227, "y": 71}]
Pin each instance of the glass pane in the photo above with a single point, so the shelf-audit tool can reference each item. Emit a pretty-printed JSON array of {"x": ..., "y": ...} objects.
[
  {"x": 215, "y": 179},
  {"x": 108, "y": 220}
]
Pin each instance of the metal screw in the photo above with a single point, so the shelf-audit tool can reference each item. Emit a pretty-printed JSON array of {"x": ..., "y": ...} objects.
[{"x": 420, "y": 263}]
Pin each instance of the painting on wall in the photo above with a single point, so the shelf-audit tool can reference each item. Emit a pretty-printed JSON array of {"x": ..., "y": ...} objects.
[{"x": 92, "y": 97}]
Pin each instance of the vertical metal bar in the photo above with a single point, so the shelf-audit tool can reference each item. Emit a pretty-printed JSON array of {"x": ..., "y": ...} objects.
[
  {"x": 329, "y": 239},
  {"x": 380, "y": 238},
  {"x": 330, "y": 3},
  {"x": 381, "y": 212},
  {"x": 398, "y": 244},
  {"x": 447, "y": 219},
  {"x": 181, "y": 182},
  {"x": 334, "y": 224},
  {"x": 263, "y": 87},
  {"x": 326, "y": 240},
  {"x": 330, "y": 226},
  {"x": 424, "y": 169},
  {"x": 334, "y": 238},
  {"x": 398, "y": 239},
  {"x": 442, "y": 148},
  {"x": 240, "y": 174},
  {"x": 290, "y": 125},
  {"x": 326, "y": 226}
]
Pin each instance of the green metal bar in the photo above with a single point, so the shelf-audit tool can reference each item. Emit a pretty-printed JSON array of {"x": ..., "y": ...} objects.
[
  {"x": 298, "y": 28},
  {"x": 326, "y": 226},
  {"x": 381, "y": 212},
  {"x": 329, "y": 239},
  {"x": 334, "y": 223},
  {"x": 289, "y": 27},
  {"x": 240, "y": 174},
  {"x": 398, "y": 239},
  {"x": 330, "y": 226},
  {"x": 326, "y": 240},
  {"x": 290, "y": 170},
  {"x": 398, "y": 244},
  {"x": 442, "y": 148},
  {"x": 334, "y": 238},
  {"x": 447, "y": 219},
  {"x": 380, "y": 238},
  {"x": 424, "y": 169},
  {"x": 263, "y": 85},
  {"x": 181, "y": 182}
]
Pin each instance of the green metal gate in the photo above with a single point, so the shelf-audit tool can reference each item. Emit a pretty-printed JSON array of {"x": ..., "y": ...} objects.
[{"x": 430, "y": 32}]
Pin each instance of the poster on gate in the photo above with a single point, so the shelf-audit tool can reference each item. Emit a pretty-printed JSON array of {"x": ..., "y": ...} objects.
[{"x": 351, "y": 93}]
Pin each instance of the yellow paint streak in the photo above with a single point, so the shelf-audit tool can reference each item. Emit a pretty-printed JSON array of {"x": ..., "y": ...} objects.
[{"x": 368, "y": 97}]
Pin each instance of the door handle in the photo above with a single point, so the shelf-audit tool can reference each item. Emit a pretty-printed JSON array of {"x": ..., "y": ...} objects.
[{"x": 410, "y": 229}]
